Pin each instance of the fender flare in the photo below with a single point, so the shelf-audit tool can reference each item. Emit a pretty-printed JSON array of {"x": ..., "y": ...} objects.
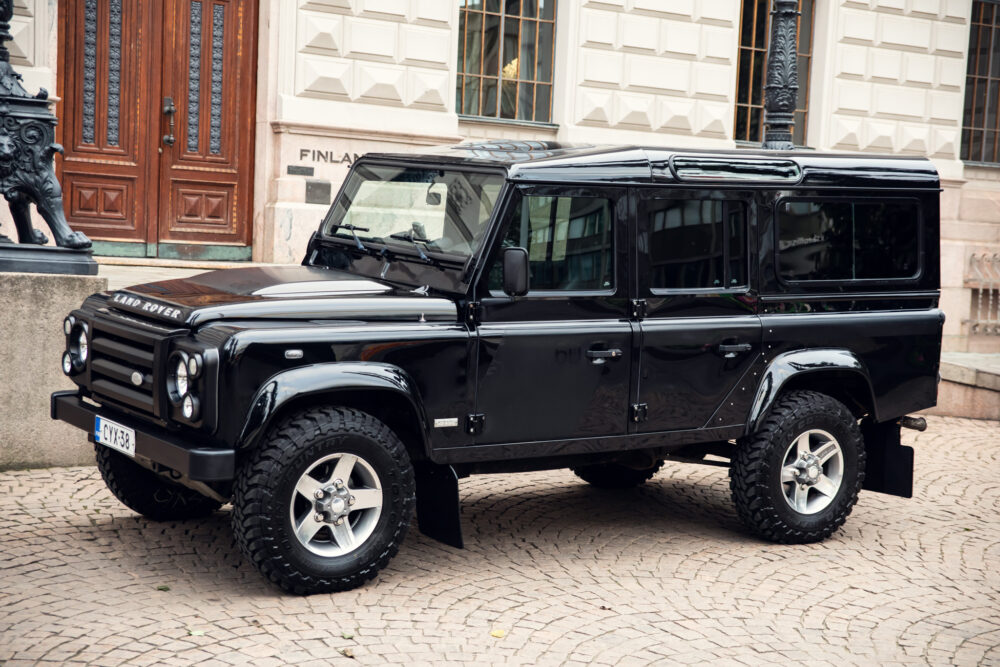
[
  {"x": 315, "y": 379},
  {"x": 797, "y": 363}
]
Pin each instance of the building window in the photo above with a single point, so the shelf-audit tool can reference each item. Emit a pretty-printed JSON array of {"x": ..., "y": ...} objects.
[
  {"x": 505, "y": 52},
  {"x": 981, "y": 122},
  {"x": 755, "y": 31}
]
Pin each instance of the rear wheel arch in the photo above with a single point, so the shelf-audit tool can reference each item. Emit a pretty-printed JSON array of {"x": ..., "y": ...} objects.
[
  {"x": 849, "y": 387},
  {"x": 834, "y": 372}
]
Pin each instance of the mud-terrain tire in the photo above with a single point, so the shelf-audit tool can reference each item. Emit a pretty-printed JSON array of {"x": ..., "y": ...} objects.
[
  {"x": 802, "y": 428},
  {"x": 614, "y": 475},
  {"x": 308, "y": 543},
  {"x": 148, "y": 493}
]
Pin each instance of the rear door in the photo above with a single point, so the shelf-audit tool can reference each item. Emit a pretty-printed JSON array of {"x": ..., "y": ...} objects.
[
  {"x": 555, "y": 364},
  {"x": 700, "y": 334}
]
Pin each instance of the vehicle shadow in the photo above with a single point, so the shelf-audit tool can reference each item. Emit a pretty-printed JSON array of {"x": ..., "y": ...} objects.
[
  {"x": 505, "y": 518},
  {"x": 665, "y": 505}
]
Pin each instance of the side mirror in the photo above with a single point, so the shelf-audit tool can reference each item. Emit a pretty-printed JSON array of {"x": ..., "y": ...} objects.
[
  {"x": 432, "y": 198},
  {"x": 515, "y": 271}
]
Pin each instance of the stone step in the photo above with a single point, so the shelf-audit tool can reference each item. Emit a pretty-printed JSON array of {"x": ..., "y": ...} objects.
[{"x": 970, "y": 386}]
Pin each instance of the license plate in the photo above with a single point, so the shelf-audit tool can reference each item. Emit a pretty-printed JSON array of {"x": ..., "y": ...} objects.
[{"x": 114, "y": 435}]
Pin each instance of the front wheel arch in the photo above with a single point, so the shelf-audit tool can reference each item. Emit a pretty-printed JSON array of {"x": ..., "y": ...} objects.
[
  {"x": 384, "y": 391},
  {"x": 388, "y": 407}
]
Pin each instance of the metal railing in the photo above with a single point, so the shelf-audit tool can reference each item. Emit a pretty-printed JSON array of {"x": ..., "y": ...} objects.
[{"x": 984, "y": 279}]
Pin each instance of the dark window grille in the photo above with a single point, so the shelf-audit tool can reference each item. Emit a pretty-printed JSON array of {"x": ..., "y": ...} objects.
[
  {"x": 755, "y": 34},
  {"x": 981, "y": 121},
  {"x": 505, "y": 54}
]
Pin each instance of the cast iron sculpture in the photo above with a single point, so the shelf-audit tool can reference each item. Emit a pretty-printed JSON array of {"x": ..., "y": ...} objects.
[
  {"x": 27, "y": 145},
  {"x": 781, "y": 90}
]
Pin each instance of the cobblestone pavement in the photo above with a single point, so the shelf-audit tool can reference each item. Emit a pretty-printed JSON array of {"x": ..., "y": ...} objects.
[{"x": 570, "y": 574}]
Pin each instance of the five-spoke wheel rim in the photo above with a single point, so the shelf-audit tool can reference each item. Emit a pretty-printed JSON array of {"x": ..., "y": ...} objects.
[
  {"x": 336, "y": 505},
  {"x": 812, "y": 471}
]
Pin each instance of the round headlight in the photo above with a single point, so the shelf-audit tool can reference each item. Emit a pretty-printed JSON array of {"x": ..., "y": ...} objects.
[
  {"x": 189, "y": 408},
  {"x": 194, "y": 366},
  {"x": 67, "y": 363},
  {"x": 181, "y": 378},
  {"x": 82, "y": 348},
  {"x": 68, "y": 325}
]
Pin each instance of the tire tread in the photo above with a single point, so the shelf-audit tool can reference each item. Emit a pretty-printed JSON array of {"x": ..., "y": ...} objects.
[
  {"x": 136, "y": 487},
  {"x": 252, "y": 496},
  {"x": 750, "y": 469}
]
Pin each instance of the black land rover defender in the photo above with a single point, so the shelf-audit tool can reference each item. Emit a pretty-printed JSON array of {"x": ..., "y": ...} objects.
[{"x": 509, "y": 307}]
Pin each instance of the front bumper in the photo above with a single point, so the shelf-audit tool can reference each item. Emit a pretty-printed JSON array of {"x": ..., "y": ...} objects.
[{"x": 202, "y": 464}]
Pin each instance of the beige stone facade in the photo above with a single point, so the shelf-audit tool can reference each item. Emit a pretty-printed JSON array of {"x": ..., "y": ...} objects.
[{"x": 340, "y": 78}]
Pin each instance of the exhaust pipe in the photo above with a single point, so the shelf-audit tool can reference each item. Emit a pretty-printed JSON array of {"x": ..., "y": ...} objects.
[{"x": 916, "y": 423}]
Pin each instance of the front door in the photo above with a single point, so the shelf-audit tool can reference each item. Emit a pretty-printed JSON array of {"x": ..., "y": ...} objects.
[
  {"x": 701, "y": 334},
  {"x": 157, "y": 124},
  {"x": 555, "y": 364}
]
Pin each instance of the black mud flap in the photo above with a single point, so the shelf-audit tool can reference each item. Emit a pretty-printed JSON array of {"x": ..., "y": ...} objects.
[
  {"x": 438, "y": 509},
  {"x": 890, "y": 464}
]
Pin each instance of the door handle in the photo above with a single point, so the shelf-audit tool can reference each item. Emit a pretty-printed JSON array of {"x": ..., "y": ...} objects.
[
  {"x": 598, "y": 356},
  {"x": 730, "y": 351},
  {"x": 170, "y": 111}
]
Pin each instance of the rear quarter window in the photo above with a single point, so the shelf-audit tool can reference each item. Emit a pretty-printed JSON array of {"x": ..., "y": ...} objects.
[{"x": 847, "y": 240}]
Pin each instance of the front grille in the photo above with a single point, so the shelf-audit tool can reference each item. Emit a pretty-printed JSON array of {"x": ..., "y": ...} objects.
[{"x": 119, "y": 350}]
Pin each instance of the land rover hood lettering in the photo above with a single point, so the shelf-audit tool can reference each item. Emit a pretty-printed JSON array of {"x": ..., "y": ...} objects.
[
  {"x": 279, "y": 292},
  {"x": 134, "y": 304}
]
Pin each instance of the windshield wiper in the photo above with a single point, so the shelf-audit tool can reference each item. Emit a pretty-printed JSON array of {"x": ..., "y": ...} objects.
[
  {"x": 417, "y": 242},
  {"x": 354, "y": 229}
]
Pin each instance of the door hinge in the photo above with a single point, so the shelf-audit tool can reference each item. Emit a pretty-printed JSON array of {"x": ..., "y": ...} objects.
[
  {"x": 474, "y": 424},
  {"x": 638, "y": 412},
  {"x": 638, "y": 309},
  {"x": 474, "y": 311}
]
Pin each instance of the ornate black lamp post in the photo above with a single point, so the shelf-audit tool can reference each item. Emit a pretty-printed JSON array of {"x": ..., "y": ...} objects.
[
  {"x": 27, "y": 175},
  {"x": 781, "y": 90}
]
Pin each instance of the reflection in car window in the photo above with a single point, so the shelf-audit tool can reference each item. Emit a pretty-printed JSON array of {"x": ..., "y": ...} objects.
[
  {"x": 847, "y": 240},
  {"x": 569, "y": 243},
  {"x": 445, "y": 209},
  {"x": 695, "y": 243}
]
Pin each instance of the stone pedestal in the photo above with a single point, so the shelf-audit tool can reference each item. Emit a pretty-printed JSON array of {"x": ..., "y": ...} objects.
[
  {"x": 25, "y": 258},
  {"x": 32, "y": 309}
]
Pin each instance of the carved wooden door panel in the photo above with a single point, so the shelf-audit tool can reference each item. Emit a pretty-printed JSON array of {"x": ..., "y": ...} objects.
[
  {"x": 105, "y": 80},
  {"x": 129, "y": 175},
  {"x": 205, "y": 175}
]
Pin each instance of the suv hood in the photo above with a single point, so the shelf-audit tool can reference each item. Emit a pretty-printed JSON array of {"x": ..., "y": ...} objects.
[{"x": 279, "y": 292}]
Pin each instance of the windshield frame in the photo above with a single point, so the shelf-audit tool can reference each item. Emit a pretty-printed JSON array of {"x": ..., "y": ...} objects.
[{"x": 403, "y": 249}]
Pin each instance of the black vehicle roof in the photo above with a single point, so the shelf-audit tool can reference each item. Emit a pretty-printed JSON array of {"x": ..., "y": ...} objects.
[{"x": 553, "y": 162}]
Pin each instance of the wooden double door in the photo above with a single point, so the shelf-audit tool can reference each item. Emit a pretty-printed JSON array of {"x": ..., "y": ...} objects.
[{"x": 157, "y": 121}]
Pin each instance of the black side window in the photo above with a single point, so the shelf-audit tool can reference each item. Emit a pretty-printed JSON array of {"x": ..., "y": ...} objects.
[
  {"x": 695, "y": 243},
  {"x": 569, "y": 242},
  {"x": 838, "y": 240}
]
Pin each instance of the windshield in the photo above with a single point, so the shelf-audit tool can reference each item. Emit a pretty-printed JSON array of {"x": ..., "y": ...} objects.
[{"x": 444, "y": 210}]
